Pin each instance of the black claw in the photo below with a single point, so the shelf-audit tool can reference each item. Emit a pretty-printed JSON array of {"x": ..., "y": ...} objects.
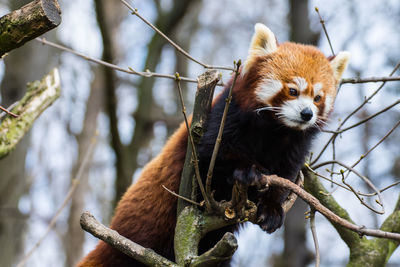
[
  {"x": 270, "y": 216},
  {"x": 249, "y": 176}
]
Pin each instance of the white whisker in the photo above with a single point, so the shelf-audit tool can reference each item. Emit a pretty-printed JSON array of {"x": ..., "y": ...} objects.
[{"x": 275, "y": 109}]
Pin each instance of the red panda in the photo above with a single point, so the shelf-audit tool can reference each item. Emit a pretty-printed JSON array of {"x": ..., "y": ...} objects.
[{"x": 281, "y": 99}]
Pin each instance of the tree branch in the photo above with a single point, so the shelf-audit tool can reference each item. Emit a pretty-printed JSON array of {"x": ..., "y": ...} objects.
[
  {"x": 273, "y": 180},
  {"x": 370, "y": 79},
  {"x": 130, "y": 248},
  {"x": 27, "y": 23},
  {"x": 177, "y": 47},
  {"x": 39, "y": 96},
  {"x": 222, "y": 251},
  {"x": 129, "y": 70},
  {"x": 202, "y": 106},
  {"x": 219, "y": 136}
]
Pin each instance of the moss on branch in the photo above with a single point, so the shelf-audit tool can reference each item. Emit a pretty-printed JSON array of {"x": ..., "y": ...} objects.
[
  {"x": 39, "y": 96},
  {"x": 363, "y": 252},
  {"x": 27, "y": 23}
]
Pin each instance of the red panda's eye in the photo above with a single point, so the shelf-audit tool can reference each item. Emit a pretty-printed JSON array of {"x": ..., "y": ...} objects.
[
  {"x": 293, "y": 92},
  {"x": 317, "y": 98}
]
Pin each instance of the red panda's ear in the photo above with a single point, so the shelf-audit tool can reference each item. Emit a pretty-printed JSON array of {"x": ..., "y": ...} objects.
[
  {"x": 339, "y": 64},
  {"x": 262, "y": 43}
]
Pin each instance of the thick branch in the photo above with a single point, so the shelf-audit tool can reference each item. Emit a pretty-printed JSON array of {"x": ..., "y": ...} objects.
[
  {"x": 27, "y": 23},
  {"x": 111, "y": 237},
  {"x": 201, "y": 109},
  {"x": 191, "y": 226},
  {"x": 221, "y": 252},
  {"x": 39, "y": 96}
]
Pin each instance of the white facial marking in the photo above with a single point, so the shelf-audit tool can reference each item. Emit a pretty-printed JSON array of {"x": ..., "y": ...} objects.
[
  {"x": 267, "y": 89},
  {"x": 328, "y": 105},
  {"x": 301, "y": 83},
  {"x": 317, "y": 88},
  {"x": 290, "y": 114}
]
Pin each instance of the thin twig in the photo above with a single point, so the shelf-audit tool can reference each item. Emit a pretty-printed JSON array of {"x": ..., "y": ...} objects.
[
  {"x": 221, "y": 129},
  {"x": 377, "y": 144},
  {"x": 366, "y": 119},
  {"x": 344, "y": 187},
  {"x": 273, "y": 180},
  {"x": 7, "y": 111},
  {"x": 365, "y": 179},
  {"x": 181, "y": 197},
  {"x": 71, "y": 191},
  {"x": 194, "y": 151},
  {"x": 358, "y": 196},
  {"x": 325, "y": 31},
  {"x": 292, "y": 197},
  {"x": 315, "y": 238},
  {"x": 366, "y": 100},
  {"x": 177, "y": 47},
  {"x": 370, "y": 79},
  {"x": 113, "y": 66}
]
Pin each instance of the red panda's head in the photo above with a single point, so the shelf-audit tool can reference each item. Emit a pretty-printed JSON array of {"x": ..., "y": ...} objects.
[{"x": 296, "y": 82}]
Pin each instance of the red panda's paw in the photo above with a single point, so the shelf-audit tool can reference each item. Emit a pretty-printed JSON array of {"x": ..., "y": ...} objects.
[
  {"x": 249, "y": 176},
  {"x": 270, "y": 216}
]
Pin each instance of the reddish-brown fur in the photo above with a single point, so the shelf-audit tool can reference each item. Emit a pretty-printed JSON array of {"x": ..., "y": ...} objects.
[
  {"x": 146, "y": 213},
  {"x": 290, "y": 60}
]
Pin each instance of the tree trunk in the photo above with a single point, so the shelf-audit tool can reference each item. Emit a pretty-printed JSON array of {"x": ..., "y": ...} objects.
[
  {"x": 21, "y": 66},
  {"x": 74, "y": 238}
]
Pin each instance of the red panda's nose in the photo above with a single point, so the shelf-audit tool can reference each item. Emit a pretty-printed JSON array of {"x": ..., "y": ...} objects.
[{"x": 306, "y": 114}]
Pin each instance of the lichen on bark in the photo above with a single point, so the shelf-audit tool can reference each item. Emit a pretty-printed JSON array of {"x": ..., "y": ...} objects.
[{"x": 39, "y": 96}]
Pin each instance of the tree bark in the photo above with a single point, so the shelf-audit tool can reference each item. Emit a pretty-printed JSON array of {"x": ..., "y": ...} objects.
[
  {"x": 27, "y": 23},
  {"x": 40, "y": 95}
]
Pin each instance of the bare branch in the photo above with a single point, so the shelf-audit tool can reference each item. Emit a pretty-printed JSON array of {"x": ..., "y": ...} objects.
[
  {"x": 177, "y": 47},
  {"x": 274, "y": 180},
  {"x": 366, "y": 100},
  {"x": 365, "y": 120},
  {"x": 315, "y": 238},
  {"x": 377, "y": 144},
  {"x": 113, "y": 66},
  {"x": 221, "y": 129},
  {"x": 370, "y": 79},
  {"x": 194, "y": 152},
  {"x": 181, "y": 197},
  {"x": 202, "y": 106},
  {"x": 365, "y": 179},
  {"x": 344, "y": 187},
  {"x": 325, "y": 31},
  {"x": 8, "y": 112},
  {"x": 125, "y": 245},
  {"x": 292, "y": 197}
]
